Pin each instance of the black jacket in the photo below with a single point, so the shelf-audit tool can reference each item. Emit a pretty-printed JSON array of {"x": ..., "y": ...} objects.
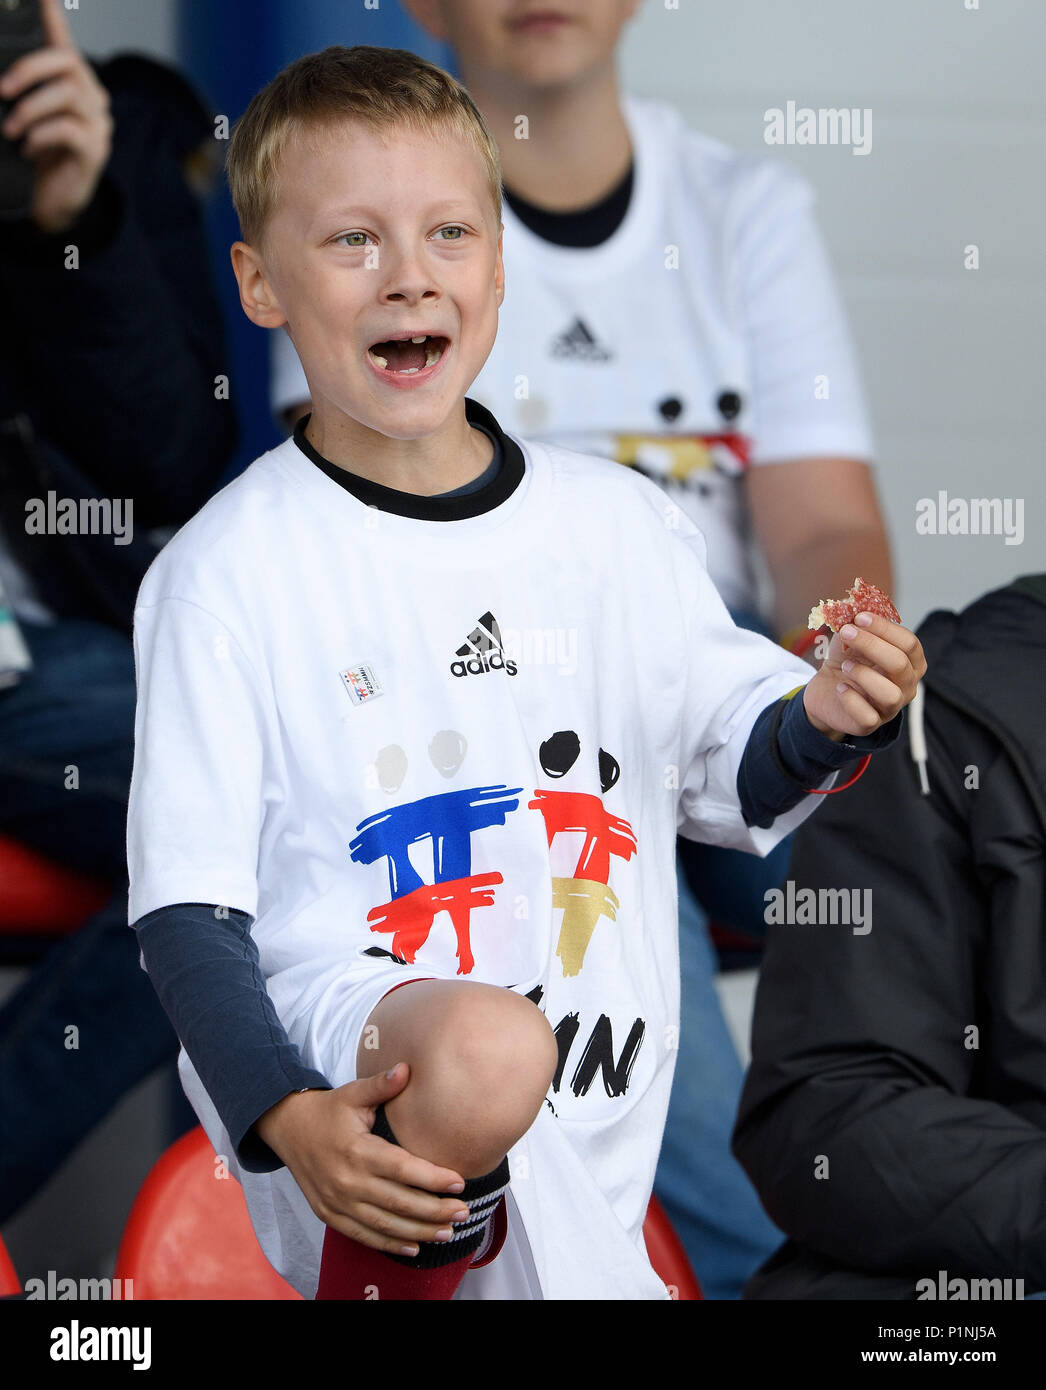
[
  {"x": 863, "y": 1054},
  {"x": 107, "y": 372}
]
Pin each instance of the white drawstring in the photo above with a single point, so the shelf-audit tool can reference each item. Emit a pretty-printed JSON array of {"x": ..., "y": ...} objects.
[{"x": 917, "y": 737}]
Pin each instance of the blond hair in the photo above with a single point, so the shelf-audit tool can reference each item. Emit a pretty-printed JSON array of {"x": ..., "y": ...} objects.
[{"x": 381, "y": 87}]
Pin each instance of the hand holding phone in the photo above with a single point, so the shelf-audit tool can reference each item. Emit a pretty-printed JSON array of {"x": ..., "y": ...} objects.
[
  {"x": 54, "y": 117},
  {"x": 21, "y": 32}
]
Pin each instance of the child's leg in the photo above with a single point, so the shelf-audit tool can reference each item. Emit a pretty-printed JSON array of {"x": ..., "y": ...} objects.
[{"x": 481, "y": 1061}]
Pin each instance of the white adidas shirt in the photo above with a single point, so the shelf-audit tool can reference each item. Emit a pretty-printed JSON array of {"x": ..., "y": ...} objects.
[
  {"x": 717, "y": 281},
  {"x": 330, "y": 737}
]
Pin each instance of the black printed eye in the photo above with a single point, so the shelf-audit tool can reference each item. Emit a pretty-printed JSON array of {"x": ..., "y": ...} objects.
[
  {"x": 609, "y": 769},
  {"x": 559, "y": 753}
]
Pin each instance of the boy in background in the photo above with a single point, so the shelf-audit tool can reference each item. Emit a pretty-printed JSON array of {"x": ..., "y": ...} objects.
[{"x": 405, "y": 887}]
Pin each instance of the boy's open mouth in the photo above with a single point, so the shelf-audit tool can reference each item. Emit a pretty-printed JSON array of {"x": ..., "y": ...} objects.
[{"x": 407, "y": 355}]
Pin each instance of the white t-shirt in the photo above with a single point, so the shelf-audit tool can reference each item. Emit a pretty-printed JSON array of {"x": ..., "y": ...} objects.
[
  {"x": 716, "y": 281},
  {"x": 339, "y": 708}
]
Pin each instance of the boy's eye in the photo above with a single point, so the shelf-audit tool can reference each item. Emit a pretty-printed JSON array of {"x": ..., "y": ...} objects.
[
  {"x": 346, "y": 237},
  {"x": 460, "y": 230}
]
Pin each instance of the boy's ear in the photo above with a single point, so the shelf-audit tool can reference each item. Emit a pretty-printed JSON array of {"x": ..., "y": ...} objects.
[
  {"x": 499, "y": 268},
  {"x": 257, "y": 297}
]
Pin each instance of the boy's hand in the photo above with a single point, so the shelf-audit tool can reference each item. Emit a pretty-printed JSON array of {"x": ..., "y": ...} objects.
[
  {"x": 869, "y": 674},
  {"x": 364, "y": 1187},
  {"x": 63, "y": 124}
]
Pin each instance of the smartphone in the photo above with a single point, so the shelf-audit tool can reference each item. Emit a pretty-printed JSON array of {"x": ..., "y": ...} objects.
[{"x": 21, "y": 32}]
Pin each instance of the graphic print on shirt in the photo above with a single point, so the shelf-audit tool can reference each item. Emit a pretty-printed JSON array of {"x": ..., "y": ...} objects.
[
  {"x": 579, "y": 342},
  {"x": 447, "y": 821},
  {"x": 701, "y": 463},
  {"x": 483, "y": 651},
  {"x": 586, "y": 896},
  {"x": 586, "y": 1050}
]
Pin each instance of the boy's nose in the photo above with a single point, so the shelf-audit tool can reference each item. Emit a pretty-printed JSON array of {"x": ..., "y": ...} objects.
[
  {"x": 407, "y": 280},
  {"x": 404, "y": 292}
]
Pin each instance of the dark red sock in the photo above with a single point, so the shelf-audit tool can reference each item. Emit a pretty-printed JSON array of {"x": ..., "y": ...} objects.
[{"x": 352, "y": 1271}]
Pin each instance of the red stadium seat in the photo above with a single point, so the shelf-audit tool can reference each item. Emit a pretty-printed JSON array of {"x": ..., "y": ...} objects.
[
  {"x": 189, "y": 1236},
  {"x": 666, "y": 1254},
  {"x": 42, "y": 898},
  {"x": 9, "y": 1281}
]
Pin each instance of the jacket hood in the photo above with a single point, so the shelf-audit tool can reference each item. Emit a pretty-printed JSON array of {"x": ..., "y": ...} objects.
[{"x": 989, "y": 661}]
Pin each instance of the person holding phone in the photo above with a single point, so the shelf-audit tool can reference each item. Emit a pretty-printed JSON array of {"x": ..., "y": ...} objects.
[{"x": 112, "y": 343}]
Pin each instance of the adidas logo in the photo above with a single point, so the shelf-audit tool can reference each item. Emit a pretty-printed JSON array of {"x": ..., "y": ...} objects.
[
  {"x": 483, "y": 651},
  {"x": 578, "y": 342}
]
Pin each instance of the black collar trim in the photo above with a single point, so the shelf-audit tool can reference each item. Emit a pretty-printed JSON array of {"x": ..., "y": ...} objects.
[
  {"x": 583, "y": 228},
  {"x": 388, "y": 499}
]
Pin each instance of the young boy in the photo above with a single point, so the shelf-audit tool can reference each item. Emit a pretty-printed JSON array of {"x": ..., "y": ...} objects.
[
  {"x": 679, "y": 315},
  {"x": 423, "y": 705}
]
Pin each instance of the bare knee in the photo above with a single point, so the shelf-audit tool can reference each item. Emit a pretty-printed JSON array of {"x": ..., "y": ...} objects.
[{"x": 480, "y": 1071}]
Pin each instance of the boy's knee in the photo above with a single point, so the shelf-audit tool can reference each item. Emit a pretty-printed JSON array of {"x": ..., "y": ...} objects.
[
  {"x": 484, "y": 1075},
  {"x": 504, "y": 1043}
]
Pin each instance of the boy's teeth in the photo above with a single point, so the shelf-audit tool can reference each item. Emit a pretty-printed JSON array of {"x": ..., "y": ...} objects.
[{"x": 432, "y": 355}]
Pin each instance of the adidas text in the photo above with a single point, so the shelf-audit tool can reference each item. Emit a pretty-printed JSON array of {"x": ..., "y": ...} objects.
[{"x": 476, "y": 665}]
